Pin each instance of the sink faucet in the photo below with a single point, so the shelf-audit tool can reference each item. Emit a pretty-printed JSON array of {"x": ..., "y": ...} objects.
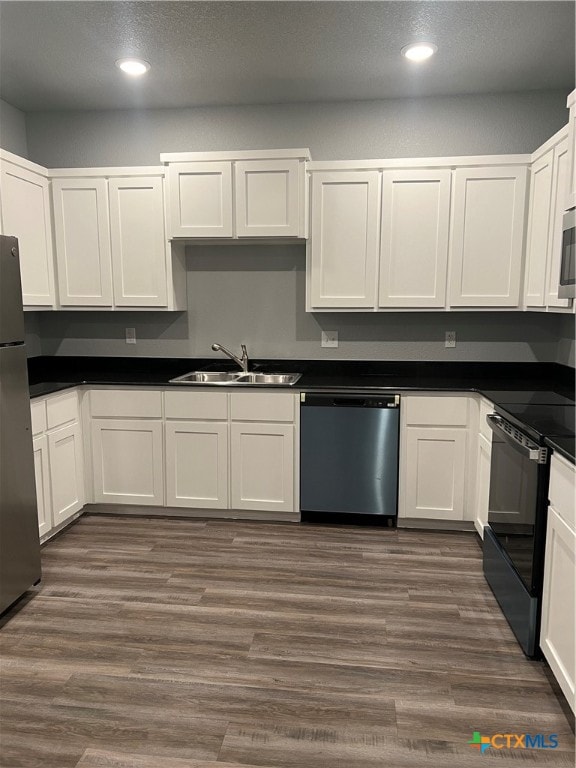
[{"x": 242, "y": 361}]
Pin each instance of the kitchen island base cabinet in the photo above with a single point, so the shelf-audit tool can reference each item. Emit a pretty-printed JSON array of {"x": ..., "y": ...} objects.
[
  {"x": 262, "y": 467},
  {"x": 197, "y": 464},
  {"x": 127, "y": 458},
  {"x": 559, "y": 590}
]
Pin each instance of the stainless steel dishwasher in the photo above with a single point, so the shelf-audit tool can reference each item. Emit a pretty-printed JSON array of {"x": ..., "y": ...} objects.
[{"x": 349, "y": 458}]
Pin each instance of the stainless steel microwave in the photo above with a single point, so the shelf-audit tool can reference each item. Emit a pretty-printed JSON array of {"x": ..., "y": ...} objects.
[{"x": 567, "y": 286}]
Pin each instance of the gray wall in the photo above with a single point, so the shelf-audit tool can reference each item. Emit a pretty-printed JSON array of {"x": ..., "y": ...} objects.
[
  {"x": 13, "y": 129},
  {"x": 256, "y": 295},
  {"x": 464, "y": 125}
]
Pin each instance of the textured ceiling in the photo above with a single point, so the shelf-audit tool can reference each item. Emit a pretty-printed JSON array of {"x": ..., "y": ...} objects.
[{"x": 60, "y": 55}]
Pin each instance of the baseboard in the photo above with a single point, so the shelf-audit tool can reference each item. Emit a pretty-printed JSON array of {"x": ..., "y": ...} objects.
[
  {"x": 436, "y": 525},
  {"x": 211, "y": 514}
]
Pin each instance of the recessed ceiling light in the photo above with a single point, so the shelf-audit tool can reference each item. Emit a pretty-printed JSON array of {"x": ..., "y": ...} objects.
[
  {"x": 419, "y": 51},
  {"x": 133, "y": 67}
]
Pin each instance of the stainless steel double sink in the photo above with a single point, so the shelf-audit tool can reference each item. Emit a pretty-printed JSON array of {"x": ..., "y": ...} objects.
[{"x": 237, "y": 378}]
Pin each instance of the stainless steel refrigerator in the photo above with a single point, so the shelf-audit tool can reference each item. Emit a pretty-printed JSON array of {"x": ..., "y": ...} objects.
[{"x": 19, "y": 539}]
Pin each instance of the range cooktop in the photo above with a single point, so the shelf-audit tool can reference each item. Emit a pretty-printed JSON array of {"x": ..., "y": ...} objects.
[
  {"x": 530, "y": 397},
  {"x": 541, "y": 421}
]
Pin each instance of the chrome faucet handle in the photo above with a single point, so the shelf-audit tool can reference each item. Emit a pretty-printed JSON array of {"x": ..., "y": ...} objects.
[{"x": 244, "y": 357}]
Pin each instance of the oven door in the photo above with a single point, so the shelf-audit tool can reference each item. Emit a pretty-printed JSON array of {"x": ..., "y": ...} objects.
[{"x": 517, "y": 503}]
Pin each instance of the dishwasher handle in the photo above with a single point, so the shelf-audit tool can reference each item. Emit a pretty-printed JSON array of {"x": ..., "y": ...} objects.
[{"x": 349, "y": 401}]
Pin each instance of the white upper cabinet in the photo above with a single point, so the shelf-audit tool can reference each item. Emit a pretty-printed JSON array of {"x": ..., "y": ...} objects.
[
  {"x": 344, "y": 245},
  {"x": 138, "y": 241},
  {"x": 548, "y": 183},
  {"x": 571, "y": 187},
  {"x": 559, "y": 184},
  {"x": 237, "y": 194},
  {"x": 82, "y": 241},
  {"x": 539, "y": 214},
  {"x": 414, "y": 239},
  {"x": 200, "y": 199},
  {"x": 26, "y": 215},
  {"x": 268, "y": 198},
  {"x": 487, "y": 236}
]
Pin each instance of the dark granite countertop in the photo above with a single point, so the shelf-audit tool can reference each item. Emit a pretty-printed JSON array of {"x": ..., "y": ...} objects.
[
  {"x": 493, "y": 380},
  {"x": 565, "y": 446}
]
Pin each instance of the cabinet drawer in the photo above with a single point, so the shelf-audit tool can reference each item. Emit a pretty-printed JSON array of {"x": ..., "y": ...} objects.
[
  {"x": 62, "y": 409},
  {"x": 436, "y": 411},
  {"x": 125, "y": 403},
  {"x": 38, "y": 413},
  {"x": 485, "y": 408},
  {"x": 262, "y": 406},
  {"x": 562, "y": 489},
  {"x": 196, "y": 405}
]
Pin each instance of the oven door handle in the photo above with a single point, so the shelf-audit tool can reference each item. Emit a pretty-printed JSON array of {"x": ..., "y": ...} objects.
[{"x": 517, "y": 439}]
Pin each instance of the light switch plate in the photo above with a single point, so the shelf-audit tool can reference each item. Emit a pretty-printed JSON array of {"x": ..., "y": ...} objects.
[
  {"x": 450, "y": 341},
  {"x": 130, "y": 335},
  {"x": 329, "y": 338}
]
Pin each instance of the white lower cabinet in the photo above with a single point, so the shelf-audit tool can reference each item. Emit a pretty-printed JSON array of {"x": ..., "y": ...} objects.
[
  {"x": 197, "y": 464},
  {"x": 559, "y": 590},
  {"x": 262, "y": 467},
  {"x": 483, "y": 460},
  {"x": 435, "y": 473},
  {"x": 42, "y": 475},
  {"x": 434, "y": 458},
  {"x": 127, "y": 461},
  {"x": 66, "y": 472},
  {"x": 58, "y": 459},
  {"x": 231, "y": 450}
]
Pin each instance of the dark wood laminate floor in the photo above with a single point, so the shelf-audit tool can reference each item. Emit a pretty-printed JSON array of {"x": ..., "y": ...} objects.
[{"x": 189, "y": 644}]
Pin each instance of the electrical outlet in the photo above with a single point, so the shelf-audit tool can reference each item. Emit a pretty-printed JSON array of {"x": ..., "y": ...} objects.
[
  {"x": 130, "y": 335},
  {"x": 450, "y": 339},
  {"x": 329, "y": 339}
]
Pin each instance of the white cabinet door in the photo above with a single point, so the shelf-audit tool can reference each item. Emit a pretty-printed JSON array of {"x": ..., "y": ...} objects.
[
  {"x": 200, "y": 201},
  {"x": 268, "y": 198},
  {"x": 42, "y": 475},
  {"x": 559, "y": 604},
  {"x": 539, "y": 213},
  {"x": 128, "y": 461},
  {"x": 570, "y": 199},
  {"x": 487, "y": 235},
  {"x": 559, "y": 184},
  {"x": 344, "y": 239},
  {"x": 138, "y": 241},
  {"x": 82, "y": 242},
  {"x": 197, "y": 464},
  {"x": 66, "y": 472},
  {"x": 26, "y": 215},
  {"x": 482, "y": 483},
  {"x": 414, "y": 239},
  {"x": 262, "y": 467},
  {"x": 433, "y": 475}
]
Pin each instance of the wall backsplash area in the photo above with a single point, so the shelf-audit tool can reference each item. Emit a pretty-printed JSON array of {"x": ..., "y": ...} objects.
[{"x": 256, "y": 295}]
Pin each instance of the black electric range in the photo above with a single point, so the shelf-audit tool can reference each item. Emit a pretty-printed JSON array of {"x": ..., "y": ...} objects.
[{"x": 514, "y": 539}]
